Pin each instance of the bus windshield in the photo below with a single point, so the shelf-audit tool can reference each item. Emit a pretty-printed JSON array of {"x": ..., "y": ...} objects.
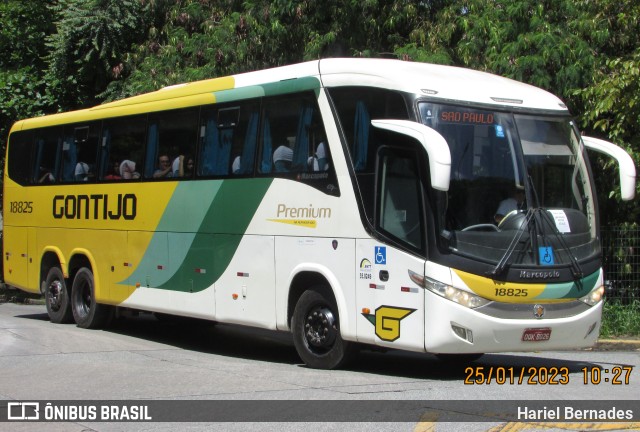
[{"x": 520, "y": 188}]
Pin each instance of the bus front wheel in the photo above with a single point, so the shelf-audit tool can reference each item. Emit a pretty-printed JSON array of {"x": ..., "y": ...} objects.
[
  {"x": 316, "y": 332},
  {"x": 86, "y": 311},
  {"x": 56, "y": 296}
]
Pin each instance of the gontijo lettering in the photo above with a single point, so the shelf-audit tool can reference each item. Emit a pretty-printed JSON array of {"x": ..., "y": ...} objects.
[{"x": 96, "y": 206}]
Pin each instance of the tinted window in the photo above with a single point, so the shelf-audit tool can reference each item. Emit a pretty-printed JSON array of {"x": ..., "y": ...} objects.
[
  {"x": 123, "y": 145},
  {"x": 294, "y": 142},
  {"x": 356, "y": 107},
  {"x": 80, "y": 152},
  {"x": 47, "y": 163},
  {"x": 228, "y": 140},
  {"x": 171, "y": 143},
  {"x": 20, "y": 152},
  {"x": 399, "y": 207}
]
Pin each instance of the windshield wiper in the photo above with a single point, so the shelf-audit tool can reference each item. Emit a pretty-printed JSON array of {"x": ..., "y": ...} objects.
[
  {"x": 576, "y": 270},
  {"x": 499, "y": 268}
]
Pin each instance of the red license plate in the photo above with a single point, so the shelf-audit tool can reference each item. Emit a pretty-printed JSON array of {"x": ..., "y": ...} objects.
[{"x": 536, "y": 334}]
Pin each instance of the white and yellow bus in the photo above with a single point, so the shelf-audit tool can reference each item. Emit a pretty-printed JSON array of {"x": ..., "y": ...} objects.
[{"x": 348, "y": 201}]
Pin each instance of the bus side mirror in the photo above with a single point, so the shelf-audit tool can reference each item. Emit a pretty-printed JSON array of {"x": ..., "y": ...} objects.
[
  {"x": 625, "y": 164},
  {"x": 434, "y": 143}
]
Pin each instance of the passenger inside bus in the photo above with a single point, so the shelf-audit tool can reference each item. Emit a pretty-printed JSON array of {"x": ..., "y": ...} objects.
[
  {"x": 164, "y": 167},
  {"x": 177, "y": 167},
  {"x": 515, "y": 201},
  {"x": 45, "y": 176},
  {"x": 114, "y": 174},
  {"x": 318, "y": 162},
  {"x": 320, "y": 159},
  {"x": 282, "y": 158},
  {"x": 82, "y": 172},
  {"x": 128, "y": 170},
  {"x": 182, "y": 166},
  {"x": 237, "y": 163}
]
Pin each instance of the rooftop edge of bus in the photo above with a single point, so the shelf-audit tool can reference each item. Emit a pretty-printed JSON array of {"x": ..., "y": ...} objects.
[{"x": 431, "y": 80}]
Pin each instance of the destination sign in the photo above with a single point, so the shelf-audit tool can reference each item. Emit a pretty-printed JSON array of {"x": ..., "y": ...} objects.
[{"x": 467, "y": 117}]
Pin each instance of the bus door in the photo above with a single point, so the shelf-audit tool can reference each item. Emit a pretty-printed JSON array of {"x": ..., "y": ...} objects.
[{"x": 390, "y": 305}]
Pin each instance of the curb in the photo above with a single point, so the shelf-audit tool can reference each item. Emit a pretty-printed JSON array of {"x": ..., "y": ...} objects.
[{"x": 617, "y": 345}]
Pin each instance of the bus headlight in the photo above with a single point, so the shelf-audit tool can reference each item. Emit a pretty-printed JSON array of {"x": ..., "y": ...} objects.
[
  {"x": 594, "y": 296},
  {"x": 456, "y": 295}
]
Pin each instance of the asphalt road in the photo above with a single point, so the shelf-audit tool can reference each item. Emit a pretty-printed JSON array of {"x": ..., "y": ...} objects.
[{"x": 142, "y": 359}]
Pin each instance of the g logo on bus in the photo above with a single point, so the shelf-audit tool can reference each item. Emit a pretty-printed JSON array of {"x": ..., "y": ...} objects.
[
  {"x": 387, "y": 319},
  {"x": 538, "y": 311}
]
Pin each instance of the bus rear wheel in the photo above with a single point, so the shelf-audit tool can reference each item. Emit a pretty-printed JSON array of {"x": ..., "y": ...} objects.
[
  {"x": 86, "y": 311},
  {"x": 56, "y": 296},
  {"x": 316, "y": 332}
]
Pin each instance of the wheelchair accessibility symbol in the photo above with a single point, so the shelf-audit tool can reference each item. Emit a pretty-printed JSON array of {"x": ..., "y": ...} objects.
[
  {"x": 381, "y": 255},
  {"x": 546, "y": 255}
]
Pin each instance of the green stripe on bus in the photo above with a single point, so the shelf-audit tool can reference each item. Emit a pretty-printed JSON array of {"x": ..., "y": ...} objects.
[
  {"x": 181, "y": 220},
  {"x": 570, "y": 290},
  {"x": 198, "y": 258},
  {"x": 270, "y": 89}
]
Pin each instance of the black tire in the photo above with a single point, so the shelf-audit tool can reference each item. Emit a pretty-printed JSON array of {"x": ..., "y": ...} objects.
[
  {"x": 86, "y": 312},
  {"x": 316, "y": 332},
  {"x": 56, "y": 296}
]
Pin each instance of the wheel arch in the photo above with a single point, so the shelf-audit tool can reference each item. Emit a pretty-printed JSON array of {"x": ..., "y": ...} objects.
[
  {"x": 51, "y": 257},
  {"x": 83, "y": 258},
  {"x": 321, "y": 279}
]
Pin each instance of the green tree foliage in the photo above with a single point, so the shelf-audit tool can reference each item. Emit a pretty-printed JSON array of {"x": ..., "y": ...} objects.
[
  {"x": 613, "y": 111},
  {"x": 25, "y": 24},
  {"x": 539, "y": 43},
  {"x": 611, "y": 99},
  {"x": 196, "y": 39},
  {"x": 23, "y": 28},
  {"x": 88, "y": 49}
]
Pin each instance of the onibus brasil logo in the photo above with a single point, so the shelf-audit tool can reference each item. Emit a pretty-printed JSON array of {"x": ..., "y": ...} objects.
[{"x": 387, "y": 319}]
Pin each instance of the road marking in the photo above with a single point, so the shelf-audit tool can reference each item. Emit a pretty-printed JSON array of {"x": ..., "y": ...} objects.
[{"x": 427, "y": 422}]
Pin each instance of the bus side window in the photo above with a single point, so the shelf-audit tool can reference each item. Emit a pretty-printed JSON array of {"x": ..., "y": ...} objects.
[
  {"x": 215, "y": 145},
  {"x": 80, "y": 152},
  {"x": 46, "y": 164},
  {"x": 246, "y": 140},
  {"x": 20, "y": 152},
  {"x": 356, "y": 107},
  {"x": 399, "y": 206},
  {"x": 123, "y": 144},
  {"x": 277, "y": 151},
  {"x": 228, "y": 139},
  {"x": 294, "y": 142},
  {"x": 301, "y": 149},
  {"x": 171, "y": 135},
  {"x": 292, "y": 134}
]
